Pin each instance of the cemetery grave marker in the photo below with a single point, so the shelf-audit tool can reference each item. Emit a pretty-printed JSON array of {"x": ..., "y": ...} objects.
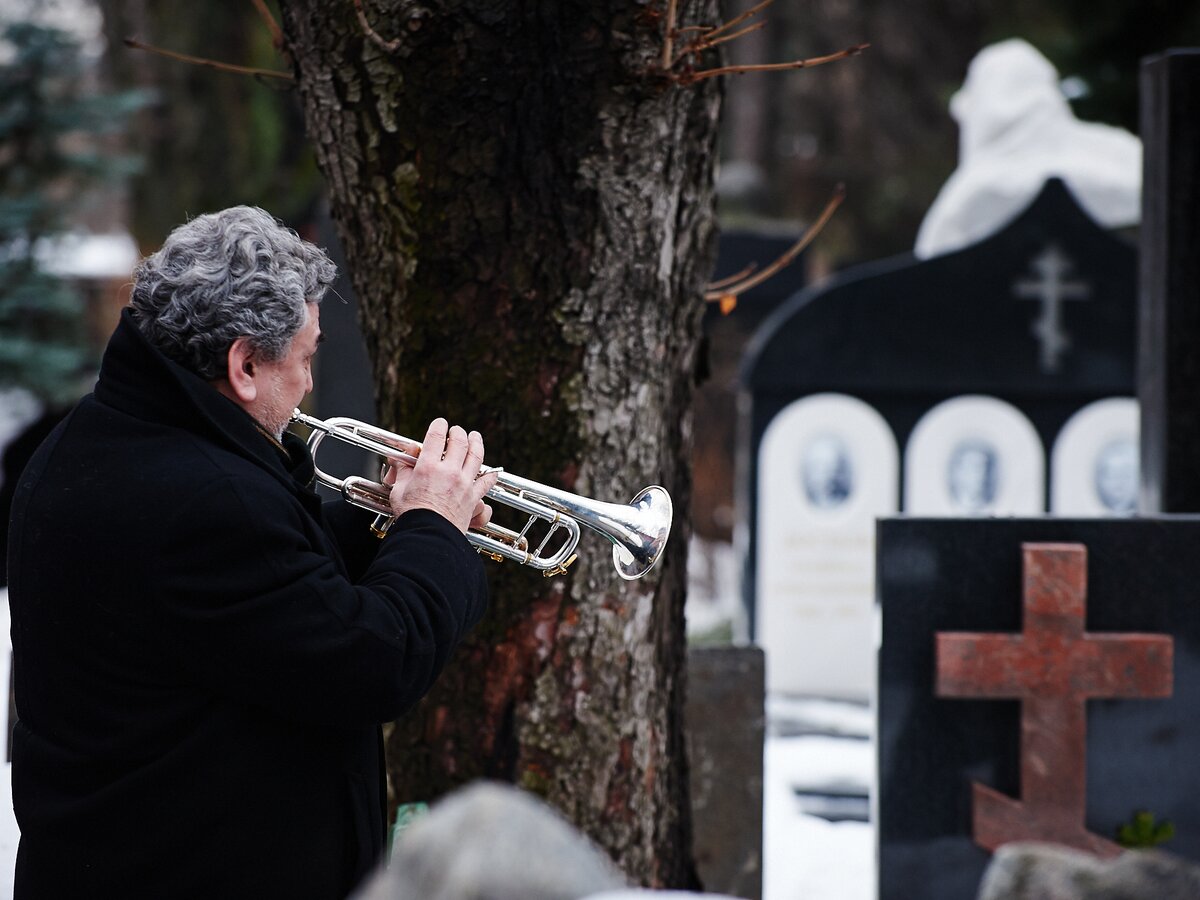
[
  {"x": 1050, "y": 289},
  {"x": 974, "y": 750},
  {"x": 1169, "y": 282},
  {"x": 1053, "y": 666},
  {"x": 1094, "y": 462},
  {"x": 974, "y": 455},
  {"x": 1014, "y": 335},
  {"x": 957, "y": 578},
  {"x": 830, "y": 461}
]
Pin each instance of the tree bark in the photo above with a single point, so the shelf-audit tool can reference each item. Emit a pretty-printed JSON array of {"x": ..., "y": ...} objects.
[{"x": 526, "y": 208}]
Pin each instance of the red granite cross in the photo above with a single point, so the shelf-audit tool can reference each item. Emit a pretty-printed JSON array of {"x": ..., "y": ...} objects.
[{"x": 1053, "y": 666}]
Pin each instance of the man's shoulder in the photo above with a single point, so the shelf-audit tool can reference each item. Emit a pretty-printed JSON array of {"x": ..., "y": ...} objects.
[{"x": 109, "y": 451}]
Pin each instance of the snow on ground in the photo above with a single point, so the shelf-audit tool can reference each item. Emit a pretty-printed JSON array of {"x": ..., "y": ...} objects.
[
  {"x": 8, "y": 822},
  {"x": 806, "y": 857},
  {"x": 819, "y": 755},
  {"x": 8, "y": 835}
]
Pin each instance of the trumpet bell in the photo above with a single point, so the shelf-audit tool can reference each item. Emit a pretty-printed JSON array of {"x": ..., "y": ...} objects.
[{"x": 636, "y": 555}]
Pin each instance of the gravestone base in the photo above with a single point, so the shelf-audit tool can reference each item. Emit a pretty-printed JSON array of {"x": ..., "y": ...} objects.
[
  {"x": 725, "y": 733},
  {"x": 945, "y": 386}
]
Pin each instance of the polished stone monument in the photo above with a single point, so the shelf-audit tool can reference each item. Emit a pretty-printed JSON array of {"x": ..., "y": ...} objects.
[
  {"x": 1169, "y": 282},
  {"x": 1039, "y": 679},
  {"x": 933, "y": 387}
]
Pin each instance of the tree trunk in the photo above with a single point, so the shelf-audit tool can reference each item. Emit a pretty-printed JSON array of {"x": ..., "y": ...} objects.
[{"x": 526, "y": 208}]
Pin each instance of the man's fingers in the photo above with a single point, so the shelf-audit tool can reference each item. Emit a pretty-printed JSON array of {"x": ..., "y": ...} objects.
[
  {"x": 446, "y": 477},
  {"x": 434, "y": 445},
  {"x": 402, "y": 475},
  {"x": 485, "y": 483},
  {"x": 474, "y": 460},
  {"x": 483, "y": 515},
  {"x": 456, "y": 446},
  {"x": 387, "y": 473}
]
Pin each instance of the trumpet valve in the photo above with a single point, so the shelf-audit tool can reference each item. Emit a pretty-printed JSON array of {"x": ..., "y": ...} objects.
[{"x": 560, "y": 569}]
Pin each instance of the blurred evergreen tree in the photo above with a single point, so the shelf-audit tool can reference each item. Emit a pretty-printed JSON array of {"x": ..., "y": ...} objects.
[
  {"x": 1101, "y": 44},
  {"x": 52, "y": 147}
]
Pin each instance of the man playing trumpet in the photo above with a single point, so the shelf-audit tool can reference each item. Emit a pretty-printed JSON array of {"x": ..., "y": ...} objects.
[{"x": 203, "y": 650}]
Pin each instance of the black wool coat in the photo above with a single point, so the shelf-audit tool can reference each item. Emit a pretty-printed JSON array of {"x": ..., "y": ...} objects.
[{"x": 204, "y": 651}]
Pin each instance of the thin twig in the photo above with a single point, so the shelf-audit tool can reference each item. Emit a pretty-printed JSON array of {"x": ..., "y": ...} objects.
[
  {"x": 272, "y": 25},
  {"x": 693, "y": 77},
  {"x": 805, "y": 239},
  {"x": 668, "y": 50},
  {"x": 210, "y": 63},
  {"x": 705, "y": 43},
  {"x": 732, "y": 279},
  {"x": 737, "y": 20},
  {"x": 388, "y": 46}
]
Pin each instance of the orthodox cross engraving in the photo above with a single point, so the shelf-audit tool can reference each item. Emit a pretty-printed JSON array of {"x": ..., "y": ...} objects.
[
  {"x": 1053, "y": 667},
  {"x": 1051, "y": 288}
]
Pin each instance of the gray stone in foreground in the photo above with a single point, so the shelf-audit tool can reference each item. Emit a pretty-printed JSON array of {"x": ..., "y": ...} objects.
[
  {"x": 647, "y": 894},
  {"x": 725, "y": 734},
  {"x": 493, "y": 842},
  {"x": 1034, "y": 871}
]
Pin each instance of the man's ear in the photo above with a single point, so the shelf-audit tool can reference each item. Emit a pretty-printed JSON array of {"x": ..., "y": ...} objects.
[{"x": 242, "y": 367}]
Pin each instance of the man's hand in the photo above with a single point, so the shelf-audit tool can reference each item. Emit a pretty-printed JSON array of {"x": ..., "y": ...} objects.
[{"x": 446, "y": 478}]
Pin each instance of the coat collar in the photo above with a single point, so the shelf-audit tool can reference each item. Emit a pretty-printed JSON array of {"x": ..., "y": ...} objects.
[{"x": 137, "y": 379}]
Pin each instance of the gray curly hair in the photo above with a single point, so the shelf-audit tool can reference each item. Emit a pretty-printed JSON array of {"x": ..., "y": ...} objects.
[{"x": 235, "y": 273}]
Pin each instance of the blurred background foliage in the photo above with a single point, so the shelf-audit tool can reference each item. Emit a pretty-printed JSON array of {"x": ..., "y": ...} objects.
[
  {"x": 877, "y": 123},
  {"x": 880, "y": 122},
  {"x": 55, "y": 152},
  {"x": 210, "y": 139}
]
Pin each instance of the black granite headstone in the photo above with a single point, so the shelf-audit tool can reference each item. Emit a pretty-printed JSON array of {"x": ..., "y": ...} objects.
[
  {"x": 954, "y": 576},
  {"x": 1169, "y": 355},
  {"x": 1040, "y": 315}
]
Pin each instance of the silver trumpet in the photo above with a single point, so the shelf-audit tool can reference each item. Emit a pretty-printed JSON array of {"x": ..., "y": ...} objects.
[{"x": 638, "y": 531}]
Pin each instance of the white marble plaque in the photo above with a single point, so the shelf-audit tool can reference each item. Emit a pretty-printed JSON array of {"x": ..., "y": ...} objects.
[
  {"x": 1094, "y": 466},
  {"x": 827, "y": 467},
  {"x": 974, "y": 456}
]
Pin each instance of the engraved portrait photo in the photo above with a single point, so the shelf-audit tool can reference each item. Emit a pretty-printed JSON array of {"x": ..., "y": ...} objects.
[
  {"x": 973, "y": 475},
  {"x": 826, "y": 471},
  {"x": 1115, "y": 476}
]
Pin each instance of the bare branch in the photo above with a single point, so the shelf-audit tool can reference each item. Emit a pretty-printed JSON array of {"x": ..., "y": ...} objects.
[
  {"x": 693, "y": 77},
  {"x": 705, "y": 42},
  {"x": 668, "y": 50},
  {"x": 210, "y": 63},
  {"x": 727, "y": 294},
  {"x": 737, "y": 20},
  {"x": 732, "y": 279},
  {"x": 272, "y": 25},
  {"x": 388, "y": 46}
]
